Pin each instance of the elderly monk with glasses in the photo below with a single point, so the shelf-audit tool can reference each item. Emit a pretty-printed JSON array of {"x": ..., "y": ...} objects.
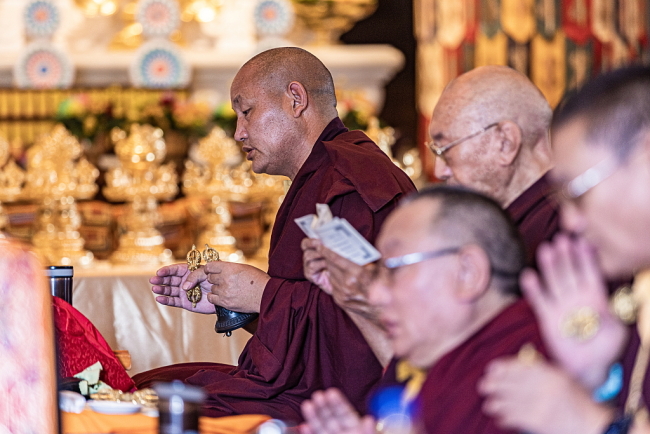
[
  {"x": 489, "y": 132},
  {"x": 446, "y": 292},
  {"x": 601, "y": 137}
]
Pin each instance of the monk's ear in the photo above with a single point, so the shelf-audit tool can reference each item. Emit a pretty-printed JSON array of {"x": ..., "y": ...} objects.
[
  {"x": 474, "y": 273},
  {"x": 299, "y": 98},
  {"x": 510, "y": 142}
]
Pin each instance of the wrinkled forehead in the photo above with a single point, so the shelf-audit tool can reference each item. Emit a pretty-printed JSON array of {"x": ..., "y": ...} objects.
[{"x": 454, "y": 114}]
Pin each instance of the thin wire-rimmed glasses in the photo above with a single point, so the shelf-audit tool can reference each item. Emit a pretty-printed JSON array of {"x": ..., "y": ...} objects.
[
  {"x": 387, "y": 267},
  {"x": 440, "y": 150}
]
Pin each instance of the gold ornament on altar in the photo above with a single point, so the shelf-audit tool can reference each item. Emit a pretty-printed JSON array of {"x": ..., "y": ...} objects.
[
  {"x": 141, "y": 180},
  {"x": 131, "y": 36},
  {"x": 57, "y": 176},
  {"x": 213, "y": 180},
  {"x": 384, "y": 137},
  {"x": 328, "y": 19},
  {"x": 12, "y": 178}
]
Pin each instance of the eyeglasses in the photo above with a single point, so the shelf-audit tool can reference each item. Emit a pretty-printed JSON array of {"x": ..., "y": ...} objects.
[
  {"x": 590, "y": 178},
  {"x": 440, "y": 150},
  {"x": 388, "y": 266}
]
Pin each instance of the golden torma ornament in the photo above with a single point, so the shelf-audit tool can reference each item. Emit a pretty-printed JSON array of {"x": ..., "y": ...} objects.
[{"x": 194, "y": 295}]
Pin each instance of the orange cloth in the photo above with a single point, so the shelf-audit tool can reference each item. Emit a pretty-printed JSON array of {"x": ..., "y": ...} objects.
[{"x": 96, "y": 423}]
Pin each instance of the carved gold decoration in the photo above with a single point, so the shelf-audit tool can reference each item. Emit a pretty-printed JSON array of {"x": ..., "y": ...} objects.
[
  {"x": 141, "y": 180},
  {"x": 194, "y": 295},
  {"x": 12, "y": 178},
  {"x": 218, "y": 181},
  {"x": 57, "y": 176},
  {"x": 385, "y": 138},
  {"x": 220, "y": 176},
  {"x": 130, "y": 37},
  {"x": 328, "y": 19}
]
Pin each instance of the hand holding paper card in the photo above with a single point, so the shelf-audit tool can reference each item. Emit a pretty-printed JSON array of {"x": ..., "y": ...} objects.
[{"x": 338, "y": 235}]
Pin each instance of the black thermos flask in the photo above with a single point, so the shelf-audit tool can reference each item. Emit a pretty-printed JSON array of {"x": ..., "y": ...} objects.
[{"x": 60, "y": 277}]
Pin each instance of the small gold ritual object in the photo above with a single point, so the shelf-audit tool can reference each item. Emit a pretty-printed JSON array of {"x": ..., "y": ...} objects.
[
  {"x": 193, "y": 263},
  {"x": 582, "y": 324},
  {"x": 210, "y": 254}
]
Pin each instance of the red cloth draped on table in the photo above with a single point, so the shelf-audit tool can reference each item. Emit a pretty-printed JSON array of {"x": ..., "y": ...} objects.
[
  {"x": 304, "y": 341},
  {"x": 80, "y": 345}
]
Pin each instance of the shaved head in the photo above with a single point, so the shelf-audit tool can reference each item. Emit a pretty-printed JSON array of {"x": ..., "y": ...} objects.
[
  {"x": 274, "y": 69},
  {"x": 466, "y": 217},
  {"x": 502, "y": 120},
  {"x": 496, "y": 93}
]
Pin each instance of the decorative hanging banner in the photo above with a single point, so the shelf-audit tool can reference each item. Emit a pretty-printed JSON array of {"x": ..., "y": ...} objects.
[
  {"x": 548, "y": 66},
  {"x": 575, "y": 20},
  {"x": 471, "y": 19},
  {"x": 548, "y": 17},
  {"x": 451, "y": 22},
  {"x": 467, "y": 56},
  {"x": 518, "y": 56},
  {"x": 518, "y": 19},
  {"x": 603, "y": 20},
  {"x": 432, "y": 75},
  {"x": 491, "y": 51},
  {"x": 424, "y": 23},
  {"x": 158, "y": 17},
  {"x": 631, "y": 21},
  {"x": 42, "y": 66},
  {"x": 158, "y": 64},
  {"x": 615, "y": 54},
  {"x": 490, "y": 18},
  {"x": 578, "y": 63},
  {"x": 273, "y": 17},
  {"x": 41, "y": 18}
]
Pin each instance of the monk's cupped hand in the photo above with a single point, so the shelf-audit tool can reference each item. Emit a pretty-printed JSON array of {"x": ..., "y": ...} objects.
[
  {"x": 329, "y": 412},
  {"x": 350, "y": 283},
  {"x": 171, "y": 283},
  {"x": 314, "y": 266},
  {"x": 541, "y": 398},
  {"x": 570, "y": 282},
  {"x": 238, "y": 287}
]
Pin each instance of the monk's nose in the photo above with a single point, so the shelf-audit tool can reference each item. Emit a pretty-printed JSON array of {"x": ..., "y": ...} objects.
[
  {"x": 572, "y": 219},
  {"x": 441, "y": 170},
  {"x": 240, "y": 133},
  {"x": 378, "y": 293}
]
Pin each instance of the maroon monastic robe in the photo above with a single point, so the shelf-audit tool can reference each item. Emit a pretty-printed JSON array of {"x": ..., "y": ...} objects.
[
  {"x": 536, "y": 214},
  {"x": 449, "y": 401},
  {"x": 304, "y": 342}
]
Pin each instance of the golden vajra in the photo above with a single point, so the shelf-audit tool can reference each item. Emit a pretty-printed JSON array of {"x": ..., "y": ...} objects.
[{"x": 193, "y": 263}]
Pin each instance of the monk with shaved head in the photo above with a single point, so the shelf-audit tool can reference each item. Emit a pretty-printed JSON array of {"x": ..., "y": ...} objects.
[
  {"x": 288, "y": 125},
  {"x": 489, "y": 132}
]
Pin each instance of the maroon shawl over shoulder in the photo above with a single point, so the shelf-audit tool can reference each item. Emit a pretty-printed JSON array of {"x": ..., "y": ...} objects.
[
  {"x": 449, "y": 402},
  {"x": 304, "y": 341},
  {"x": 536, "y": 214}
]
